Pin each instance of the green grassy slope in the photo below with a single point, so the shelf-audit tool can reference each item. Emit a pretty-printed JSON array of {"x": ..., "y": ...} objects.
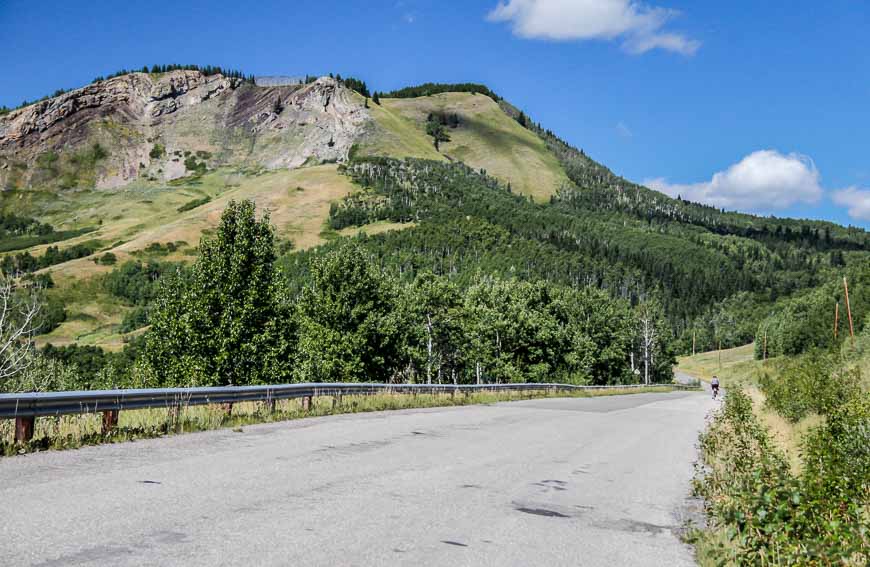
[{"x": 486, "y": 138}]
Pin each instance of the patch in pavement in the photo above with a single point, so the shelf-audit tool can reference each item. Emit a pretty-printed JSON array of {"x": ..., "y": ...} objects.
[
  {"x": 637, "y": 526},
  {"x": 551, "y": 484},
  {"x": 541, "y": 512},
  {"x": 456, "y": 543}
]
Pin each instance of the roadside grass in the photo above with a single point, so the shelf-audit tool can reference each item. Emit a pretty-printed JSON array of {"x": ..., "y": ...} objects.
[
  {"x": 73, "y": 431},
  {"x": 736, "y": 364},
  {"x": 739, "y": 369}
]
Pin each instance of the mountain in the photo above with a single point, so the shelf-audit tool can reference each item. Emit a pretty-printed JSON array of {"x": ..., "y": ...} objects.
[{"x": 451, "y": 178}]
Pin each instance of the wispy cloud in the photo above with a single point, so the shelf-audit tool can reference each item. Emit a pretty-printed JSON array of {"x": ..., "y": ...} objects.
[
  {"x": 856, "y": 201},
  {"x": 763, "y": 180},
  {"x": 641, "y": 28},
  {"x": 624, "y": 130}
]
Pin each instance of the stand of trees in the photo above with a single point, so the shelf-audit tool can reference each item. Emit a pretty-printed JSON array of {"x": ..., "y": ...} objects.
[
  {"x": 231, "y": 320},
  {"x": 428, "y": 89}
]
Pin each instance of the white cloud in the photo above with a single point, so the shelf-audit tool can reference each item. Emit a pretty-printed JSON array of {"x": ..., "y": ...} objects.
[
  {"x": 763, "y": 180},
  {"x": 639, "y": 26},
  {"x": 856, "y": 200}
]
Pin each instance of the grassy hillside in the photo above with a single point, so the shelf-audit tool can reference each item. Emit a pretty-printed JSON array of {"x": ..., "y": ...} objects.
[
  {"x": 139, "y": 221},
  {"x": 486, "y": 138}
]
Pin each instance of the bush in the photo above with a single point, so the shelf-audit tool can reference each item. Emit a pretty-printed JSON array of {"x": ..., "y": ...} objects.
[
  {"x": 157, "y": 152},
  {"x": 43, "y": 374},
  {"x": 193, "y": 204},
  {"x": 769, "y": 516},
  {"x": 107, "y": 259},
  {"x": 816, "y": 383}
]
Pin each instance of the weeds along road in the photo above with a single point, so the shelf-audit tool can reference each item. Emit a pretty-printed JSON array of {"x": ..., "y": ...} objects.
[{"x": 595, "y": 481}]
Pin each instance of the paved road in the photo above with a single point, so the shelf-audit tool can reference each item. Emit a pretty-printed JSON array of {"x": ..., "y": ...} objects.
[{"x": 599, "y": 481}]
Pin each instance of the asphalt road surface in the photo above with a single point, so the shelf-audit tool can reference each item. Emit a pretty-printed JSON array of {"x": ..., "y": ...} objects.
[{"x": 596, "y": 481}]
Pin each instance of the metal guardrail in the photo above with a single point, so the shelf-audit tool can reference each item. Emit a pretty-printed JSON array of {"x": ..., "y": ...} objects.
[{"x": 24, "y": 407}]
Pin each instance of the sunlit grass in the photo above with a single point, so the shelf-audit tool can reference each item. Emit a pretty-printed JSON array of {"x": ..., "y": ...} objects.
[{"x": 73, "y": 431}]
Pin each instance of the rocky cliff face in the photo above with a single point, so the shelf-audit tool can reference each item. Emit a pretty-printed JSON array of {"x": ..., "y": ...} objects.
[{"x": 149, "y": 125}]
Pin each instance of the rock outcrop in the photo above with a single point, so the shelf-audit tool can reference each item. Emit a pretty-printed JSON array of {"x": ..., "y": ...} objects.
[{"x": 226, "y": 120}]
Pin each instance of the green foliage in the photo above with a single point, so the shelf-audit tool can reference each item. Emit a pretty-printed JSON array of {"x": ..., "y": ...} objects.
[
  {"x": 17, "y": 232},
  {"x": 83, "y": 360},
  {"x": 436, "y": 130},
  {"x": 157, "y": 151},
  {"x": 25, "y": 241},
  {"x": 207, "y": 70},
  {"x": 24, "y": 262},
  {"x": 467, "y": 219},
  {"x": 429, "y": 89},
  {"x": 51, "y": 315},
  {"x": 812, "y": 384},
  {"x": 190, "y": 205},
  {"x": 224, "y": 322},
  {"x": 107, "y": 259},
  {"x": 806, "y": 320},
  {"x": 356, "y": 85},
  {"x": 137, "y": 282},
  {"x": 43, "y": 374},
  {"x": 345, "y": 332},
  {"x": 770, "y": 516},
  {"x": 195, "y": 166}
]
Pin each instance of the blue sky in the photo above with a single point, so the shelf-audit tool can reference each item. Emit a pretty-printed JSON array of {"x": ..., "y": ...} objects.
[{"x": 759, "y": 106}]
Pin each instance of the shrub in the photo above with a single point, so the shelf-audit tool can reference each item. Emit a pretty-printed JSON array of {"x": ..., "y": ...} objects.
[
  {"x": 157, "y": 152},
  {"x": 769, "y": 516},
  {"x": 816, "y": 383},
  {"x": 107, "y": 259},
  {"x": 193, "y": 204}
]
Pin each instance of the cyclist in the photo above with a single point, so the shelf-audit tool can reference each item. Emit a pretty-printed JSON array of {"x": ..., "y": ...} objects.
[{"x": 714, "y": 385}]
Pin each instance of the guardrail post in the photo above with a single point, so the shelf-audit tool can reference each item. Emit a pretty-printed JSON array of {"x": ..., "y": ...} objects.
[
  {"x": 307, "y": 403},
  {"x": 228, "y": 408},
  {"x": 336, "y": 401},
  {"x": 23, "y": 429},
  {"x": 110, "y": 421}
]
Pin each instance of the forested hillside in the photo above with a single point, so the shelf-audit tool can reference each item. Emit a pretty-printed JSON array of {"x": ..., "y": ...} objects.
[{"x": 496, "y": 215}]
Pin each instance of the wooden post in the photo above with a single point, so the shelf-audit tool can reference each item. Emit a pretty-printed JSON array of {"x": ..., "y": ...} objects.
[
  {"x": 23, "y": 429},
  {"x": 849, "y": 310},
  {"x": 110, "y": 421},
  {"x": 228, "y": 408},
  {"x": 307, "y": 403},
  {"x": 836, "y": 321}
]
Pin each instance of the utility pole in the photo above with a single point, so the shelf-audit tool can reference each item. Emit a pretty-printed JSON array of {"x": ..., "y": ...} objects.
[{"x": 849, "y": 310}]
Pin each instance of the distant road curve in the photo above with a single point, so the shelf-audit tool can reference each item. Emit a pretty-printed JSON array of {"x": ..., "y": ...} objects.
[{"x": 573, "y": 481}]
